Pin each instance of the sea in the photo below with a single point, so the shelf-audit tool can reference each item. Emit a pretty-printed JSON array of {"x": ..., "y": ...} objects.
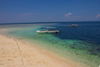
[{"x": 80, "y": 44}]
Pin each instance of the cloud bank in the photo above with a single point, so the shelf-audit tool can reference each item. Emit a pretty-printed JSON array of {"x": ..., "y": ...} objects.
[{"x": 66, "y": 15}]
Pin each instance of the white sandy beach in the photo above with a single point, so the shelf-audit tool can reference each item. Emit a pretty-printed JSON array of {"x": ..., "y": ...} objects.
[{"x": 15, "y": 53}]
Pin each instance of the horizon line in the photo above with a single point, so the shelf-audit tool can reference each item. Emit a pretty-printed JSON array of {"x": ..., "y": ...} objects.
[{"x": 45, "y": 22}]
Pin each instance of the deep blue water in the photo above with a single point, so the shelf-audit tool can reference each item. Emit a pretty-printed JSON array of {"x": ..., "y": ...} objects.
[{"x": 87, "y": 31}]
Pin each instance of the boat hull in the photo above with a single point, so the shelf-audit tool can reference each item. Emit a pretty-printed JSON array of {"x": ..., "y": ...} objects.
[{"x": 57, "y": 31}]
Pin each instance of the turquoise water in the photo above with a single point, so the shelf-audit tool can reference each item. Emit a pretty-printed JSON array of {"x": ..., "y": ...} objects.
[{"x": 68, "y": 46}]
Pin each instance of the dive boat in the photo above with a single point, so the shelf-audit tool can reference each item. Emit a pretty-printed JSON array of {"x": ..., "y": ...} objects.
[
  {"x": 48, "y": 30},
  {"x": 74, "y": 25}
]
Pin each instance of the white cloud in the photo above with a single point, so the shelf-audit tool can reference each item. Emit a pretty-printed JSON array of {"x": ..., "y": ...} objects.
[
  {"x": 98, "y": 15},
  {"x": 68, "y": 14},
  {"x": 28, "y": 14}
]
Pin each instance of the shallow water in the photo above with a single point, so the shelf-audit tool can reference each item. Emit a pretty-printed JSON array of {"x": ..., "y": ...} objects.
[{"x": 80, "y": 44}]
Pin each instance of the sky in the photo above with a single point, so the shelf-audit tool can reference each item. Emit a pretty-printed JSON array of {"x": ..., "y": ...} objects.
[{"x": 13, "y": 11}]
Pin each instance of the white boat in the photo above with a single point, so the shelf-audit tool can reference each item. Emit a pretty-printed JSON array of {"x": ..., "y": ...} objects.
[
  {"x": 74, "y": 25},
  {"x": 48, "y": 30}
]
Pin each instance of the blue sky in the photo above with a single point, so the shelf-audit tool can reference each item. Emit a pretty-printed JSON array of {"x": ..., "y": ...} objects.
[{"x": 12, "y": 11}]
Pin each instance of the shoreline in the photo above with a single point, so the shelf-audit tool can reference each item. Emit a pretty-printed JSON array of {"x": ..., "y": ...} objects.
[{"x": 27, "y": 51}]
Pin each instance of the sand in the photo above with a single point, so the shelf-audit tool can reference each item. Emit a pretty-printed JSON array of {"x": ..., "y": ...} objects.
[{"x": 15, "y": 53}]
